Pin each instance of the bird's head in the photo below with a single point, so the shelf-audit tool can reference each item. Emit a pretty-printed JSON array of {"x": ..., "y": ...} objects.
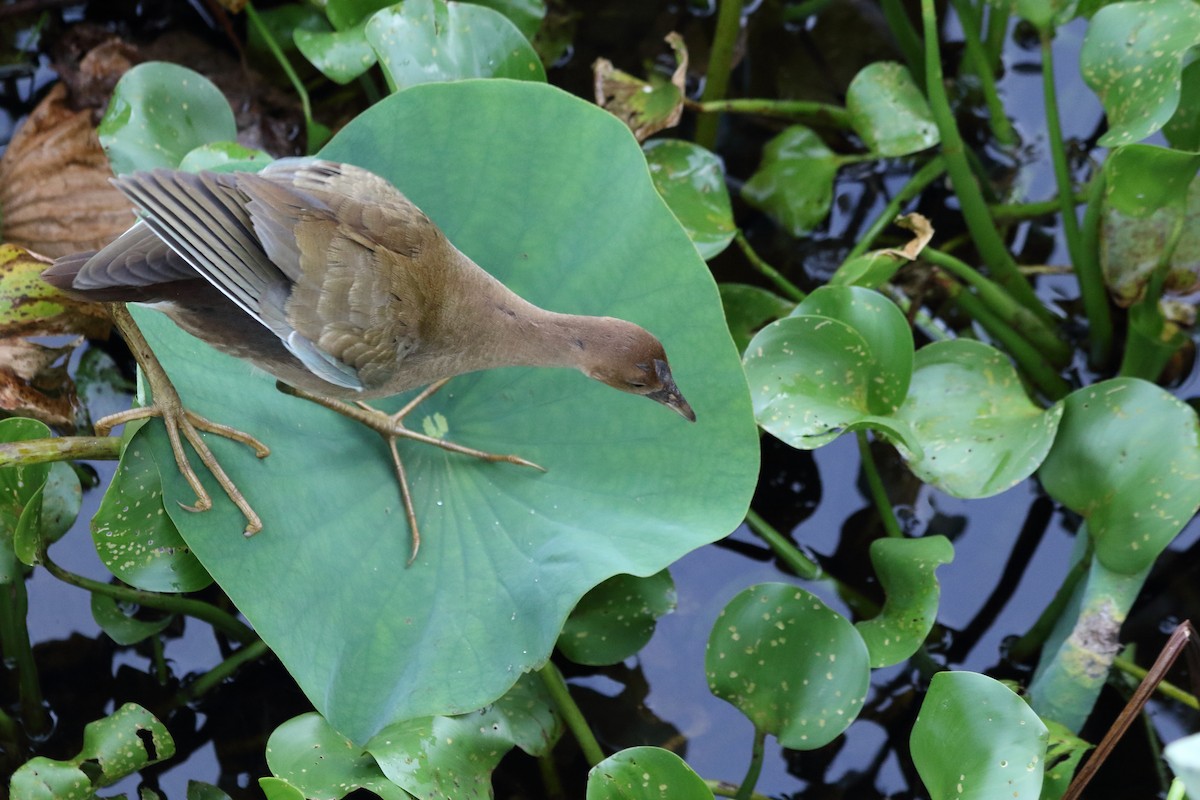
[{"x": 630, "y": 358}]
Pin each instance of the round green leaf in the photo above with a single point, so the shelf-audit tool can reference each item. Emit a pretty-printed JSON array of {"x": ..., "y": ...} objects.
[
  {"x": 279, "y": 789},
  {"x": 120, "y": 627},
  {"x": 1140, "y": 179},
  {"x": 1127, "y": 458},
  {"x": 886, "y": 332},
  {"x": 125, "y": 741},
  {"x": 135, "y": 537},
  {"x": 1184, "y": 757},
  {"x": 61, "y": 499},
  {"x": 525, "y": 14},
  {"x": 1133, "y": 56},
  {"x": 160, "y": 112},
  {"x": 645, "y": 773},
  {"x": 40, "y": 778},
  {"x": 907, "y": 572},
  {"x": 889, "y": 111},
  {"x": 1183, "y": 129},
  {"x": 307, "y": 754},
  {"x": 567, "y": 217},
  {"x": 794, "y": 182},
  {"x": 748, "y": 308},
  {"x": 341, "y": 55},
  {"x": 974, "y": 739},
  {"x": 616, "y": 619},
  {"x": 224, "y": 157},
  {"x": 423, "y": 41},
  {"x": 692, "y": 182},
  {"x": 344, "y": 14},
  {"x": 796, "y": 668},
  {"x": 980, "y": 432}
]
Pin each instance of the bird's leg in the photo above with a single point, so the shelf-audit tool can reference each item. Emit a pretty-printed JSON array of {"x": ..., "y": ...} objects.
[
  {"x": 391, "y": 427},
  {"x": 165, "y": 403}
]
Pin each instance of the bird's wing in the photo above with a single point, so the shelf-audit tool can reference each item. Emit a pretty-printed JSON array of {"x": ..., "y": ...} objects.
[
  {"x": 351, "y": 295},
  {"x": 135, "y": 258},
  {"x": 203, "y": 219}
]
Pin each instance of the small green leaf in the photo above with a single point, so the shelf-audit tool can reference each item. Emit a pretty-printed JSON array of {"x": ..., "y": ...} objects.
[
  {"x": 21, "y": 488},
  {"x": 1133, "y": 57},
  {"x": 159, "y": 113},
  {"x": 889, "y": 112},
  {"x": 125, "y": 741},
  {"x": 1184, "y": 757},
  {"x": 616, "y": 619},
  {"x": 40, "y": 778},
  {"x": 225, "y": 157},
  {"x": 197, "y": 790},
  {"x": 907, "y": 572},
  {"x": 1045, "y": 15},
  {"x": 794, "y": 182},
  {"x": 974, "y": 739},
  {"x": 133, "y": 534},
  {"x": 748, "y": 308},
  {"x": 797, "y": 669},
  {"x": 307, "y": 754},
  {"x": 345, "y": 14},
  {"x": 527, "y": 15},
  {"x": 1141, "y": 179},
  {"x": 645, "y": 773},
  {"x": 1063, "y": 754},
  {"x": 1183, "y": 129},
  {"x": 120, "y": 627},
  {"x": 341, "y": 55},
  {"x": 980, "y": 432},
  {"x": 426, "y": 41},
  {"x": 1127, "y": 458},
  {"x": 692, "y": 182},
  {"x": 279, "y": 789}
]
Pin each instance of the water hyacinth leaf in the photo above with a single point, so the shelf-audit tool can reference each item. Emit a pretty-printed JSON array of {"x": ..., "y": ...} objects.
[
  {"x": 121, "y": 627},
  {"x": 1182, "y": 131},
  {"x": 41, "y": 778},
  {"x": 1132, "y": 57},
  {"x": 808, "y": 380},
  {"x": 1141, "y": 179},
  {"x": 346, "y": 14},
  {"x": 980, "y": 432},
  {"x": 889, "y": 111},
  {"x": 567, "y": 217},
  {"x": 870, "y": 270},
  {"x": 307, "y": 754},
  {"x": 225, "y": 157},
  {"x": 616, "y": 619},
  {"x": 906, "y": 569},
  {"x": 455, "y": 756},
  {"x": 1184, "y": 757},
  {"x": 426, "y": 41},
  {"x": 794, "y": 667},
  {"x": 21, "y": 484},
  {"x": 646, "y": 106},
  {"x": 527, "y": 15},
  {"x": 974, "y": 739},
  {"x": 340, "y": 55},
  {"x": 794, "y": 182},
  {"x": 748, "y": 308},
  {"x": 125, "y": 741},
  {"x": 49, "y": 513},
  {"x": 886, "y": 332},
  {"x": 1063, "y": 753},
  {"x": 692, "y": 182},
  {"x": 1126, "y": 458},
  {"x": 645, "y": 773},
  {"x": 135, "y": 537},
  {"x": 1045, "y": 15},
  {"x": 279, "y": 789},
  {"x": 197, "y": 790},
  {"x": 159, "y": 113},
  {"x": 31, "y": 307}
]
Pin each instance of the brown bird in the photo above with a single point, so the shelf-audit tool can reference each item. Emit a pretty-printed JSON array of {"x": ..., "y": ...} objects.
[{"x": 326, "y": 276}]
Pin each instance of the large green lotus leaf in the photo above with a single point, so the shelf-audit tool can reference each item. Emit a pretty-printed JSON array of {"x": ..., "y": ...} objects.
[
  {"x": 974, "y": 739},
  {"x": 907, "y": 572},
  {"x": 980, "y": 432},
  {"x": 159, "y": 112},
  {"x": 794, "y": 182},
  {"x": 423, "y": 41},
  {"x": 645, "y": 773},
  {"x": 886, "y": 332},
  {"x": 1133, "y": 57},
  {"x": 889, "y": 111},
  {"x": 567, "y": 216},
  {"x": 1127, "y": 457},
  {"x": 796, "y": 668},
  {"x": 692, "y": 181}
]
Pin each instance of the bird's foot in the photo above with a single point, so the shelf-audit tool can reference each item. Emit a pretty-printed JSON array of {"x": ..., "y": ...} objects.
[
  {"x": 167, "y": 405},
  {"x": 391, "y": 427}
]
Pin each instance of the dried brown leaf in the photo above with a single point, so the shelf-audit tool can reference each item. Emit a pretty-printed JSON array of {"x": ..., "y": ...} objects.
[
  {"x": 645, "y": 106},
  {"x": 34, "y": 382}
]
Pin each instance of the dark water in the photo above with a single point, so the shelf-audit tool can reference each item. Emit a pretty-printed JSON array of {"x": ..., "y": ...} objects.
[{"x": 1011, "y": 550}]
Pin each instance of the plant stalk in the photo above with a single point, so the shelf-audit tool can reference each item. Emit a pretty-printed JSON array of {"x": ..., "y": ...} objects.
[
  {"x": 808, "y": 110},
  {"x": 789, "y": 289},
  {"x": 927, "y": 174},
  {"x": 571, "y": 714},
  {"x": 720, "y": 62},
  {"x": 1000, "y": 124},
  {"x": 60, "y": 448},
  {"x": 787, "y": 552},
  {"x": 1091, "y": 277},
  {"x": 887, "y": 515},
  {"x": 221, "y": 672},
  {"x": 755, "y": 769}
]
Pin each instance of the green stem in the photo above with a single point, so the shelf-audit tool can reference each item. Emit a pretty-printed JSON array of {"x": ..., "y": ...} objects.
[
  {"x": 551, "y": 782},
  {"x": 808, "y": 110},
  {"x": 1017, "y": 212},
  {"x": 801, "y": 564},
  {"x": 1058, "y": 152},
  {"x": 170, "y": 603},
  {"x": 776, "y": 277},
  {"x": 927, "y": 174},
  {"x": 1028, "y": 645},
  {"x": 18, "y": 650},
  {"x": 907, "y": 38},
  {"x": 1166, "y": 688},
  {"x": 314, "y": 128},
  {"x": 1031, "y": 362},
  {"x": 571, "y": 714},
  {"x": 746, "y": 790},
  {"x": 997, "y": 33},
  {"x": 883, "y": 505},
  {"x": 997, "y": 118},
  {"x": 970, "y": 197},
  {"x": 221, "y": 672},
  {"x": 1017, "y": 317},
  {"x": 725, "y": 789},
  {"x": 720, "y": 62},
  {"x": 1091, "y": 277},
  {"x": 60, "y": 448}
]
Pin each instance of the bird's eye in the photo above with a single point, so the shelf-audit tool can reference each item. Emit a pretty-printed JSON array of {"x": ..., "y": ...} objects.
[{"x": 637, "y": 385}]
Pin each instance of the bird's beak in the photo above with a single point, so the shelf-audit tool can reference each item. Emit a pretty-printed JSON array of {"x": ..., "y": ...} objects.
[{"x": 669, "y": 395}]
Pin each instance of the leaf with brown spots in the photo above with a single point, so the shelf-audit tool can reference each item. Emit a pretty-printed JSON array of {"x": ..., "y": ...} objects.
[{"x": 31, "y": 307}]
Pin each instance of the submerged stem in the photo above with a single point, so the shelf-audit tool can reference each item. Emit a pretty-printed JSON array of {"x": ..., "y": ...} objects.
[{"x": 571, "y": 714}]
